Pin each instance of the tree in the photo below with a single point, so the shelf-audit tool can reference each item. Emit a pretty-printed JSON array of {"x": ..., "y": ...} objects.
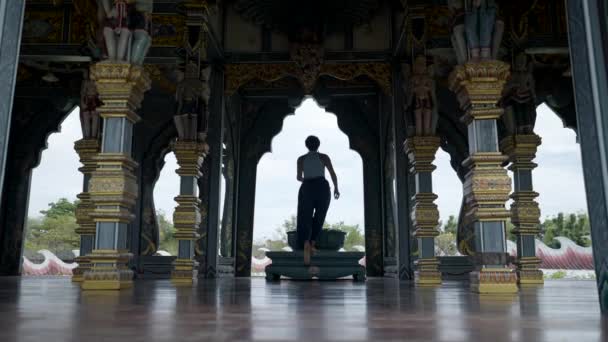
[
  {"x": 55, "y": 230},
  {"x": 353, "y": 238},
  {"x": 451, "y": 226},
  {"x": 573, "y": 226},
  {"x": 62, "y": 207},
  {"x": 166, "y": 230}
]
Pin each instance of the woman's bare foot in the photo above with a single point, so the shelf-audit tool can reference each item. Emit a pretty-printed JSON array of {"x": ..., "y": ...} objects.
[{"x": 307, "y": 250}]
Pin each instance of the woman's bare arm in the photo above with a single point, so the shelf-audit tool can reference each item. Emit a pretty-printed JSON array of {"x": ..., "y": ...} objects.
[
  {"x": 300, "y": 177},
  {"x": 327, "y": 161}
]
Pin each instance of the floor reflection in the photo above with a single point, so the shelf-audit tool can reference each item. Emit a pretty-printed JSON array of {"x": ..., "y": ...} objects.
[{"x": 251, "y": 309}]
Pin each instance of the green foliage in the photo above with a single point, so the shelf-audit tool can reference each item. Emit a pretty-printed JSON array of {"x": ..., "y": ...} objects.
[
  {"x": 62, "y": 207},
  {"x": 451, "y": 226},
  {"x": 557, "y": 275},
  {"x": 54, "y": 230},
  {"x": 573, "y": 226},
  {"x": 354, "y": 236},
  {"x": 166, "y": 230}
]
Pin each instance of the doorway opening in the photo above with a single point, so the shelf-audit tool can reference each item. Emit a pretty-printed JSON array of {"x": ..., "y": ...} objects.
[
  {"x": 51, "y": 243},
  {"x": 277, "y": 187}
]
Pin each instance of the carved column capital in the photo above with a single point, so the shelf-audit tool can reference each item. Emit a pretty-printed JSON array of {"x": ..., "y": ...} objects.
[
  {"x": 521, "y": 149},
  {"x": 421, "y": 151},
  {"x": 121, "y": 87},
  {"x": 479, "y": 87}
]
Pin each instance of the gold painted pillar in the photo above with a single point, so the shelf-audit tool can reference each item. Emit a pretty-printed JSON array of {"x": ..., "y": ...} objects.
[
  {"x": 478, "y": 86},
  {"x": 113, "y": 185},
  {"x": 421, "y": 152},
  {"x": 87, "y": 149},
  {"x": 187, "y": 216},
  {"x": 525, "y": 213}
]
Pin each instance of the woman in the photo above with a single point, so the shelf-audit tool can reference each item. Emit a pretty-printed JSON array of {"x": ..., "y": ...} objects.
[{"x": 314, "y": 195}]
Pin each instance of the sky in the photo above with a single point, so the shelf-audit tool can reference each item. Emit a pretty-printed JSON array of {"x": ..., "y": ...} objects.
[{"x": 558, "y": 178}]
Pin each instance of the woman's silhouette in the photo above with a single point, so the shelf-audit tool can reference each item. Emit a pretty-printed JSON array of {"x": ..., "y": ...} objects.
[{"x": 314, "y": 195}]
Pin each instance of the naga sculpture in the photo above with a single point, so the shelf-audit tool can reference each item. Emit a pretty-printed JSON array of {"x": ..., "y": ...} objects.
[
  {"x": 192, "y": 95},
  {"x": 127, "y": 29},
  {"x": 89, "y": 115},
  {"x": 421, "y": 95},
  {"x": 476, "y": 30}
]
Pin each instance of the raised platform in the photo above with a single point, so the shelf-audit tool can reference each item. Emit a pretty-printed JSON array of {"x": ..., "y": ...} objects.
[{"x": 324, "y": 265}]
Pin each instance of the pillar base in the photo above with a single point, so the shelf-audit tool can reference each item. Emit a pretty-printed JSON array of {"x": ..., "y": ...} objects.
[
  {"x": 494, "y": 281},
  {"x": 109, "y": 271},
  {"x": 84, "y": 265},
  {"x": 184, "y": 272},
  {"x": 427, "y": 278},
  {"x": 427, "y": 273},
  {"x": 530, "y": 278}
]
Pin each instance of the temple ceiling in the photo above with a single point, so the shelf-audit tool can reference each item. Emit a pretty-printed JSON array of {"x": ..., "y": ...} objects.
[{"x": 321, "y": 15}]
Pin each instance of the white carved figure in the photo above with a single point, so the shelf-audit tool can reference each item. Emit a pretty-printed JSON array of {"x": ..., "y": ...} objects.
[
  {"x": 116, "y": 32},
  {"x": 127, "y": 28},
  {"x": 89, "y": 115}
]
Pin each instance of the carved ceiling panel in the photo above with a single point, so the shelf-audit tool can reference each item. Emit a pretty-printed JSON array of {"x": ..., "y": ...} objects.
[{"x": 328, "y": 16}]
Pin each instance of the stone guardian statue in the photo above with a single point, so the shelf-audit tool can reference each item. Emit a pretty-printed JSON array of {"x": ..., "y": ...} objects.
[
  {"x": 476, "y": 23},
  {"x": 89, "y": 115},
  {"x": 192, "y": 96},
  {"x": 140, "y": 21},
  {"x": 519, "y": 97},
  {"x": 421, "y": 95}
]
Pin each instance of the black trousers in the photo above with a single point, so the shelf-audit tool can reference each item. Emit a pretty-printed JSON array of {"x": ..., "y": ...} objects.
[{"x": 313, "y": 201}]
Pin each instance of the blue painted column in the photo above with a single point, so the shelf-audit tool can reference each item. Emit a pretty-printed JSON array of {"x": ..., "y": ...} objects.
[
  {"x": 11, "y": 22},
  {"x": 588, "y": 40}
]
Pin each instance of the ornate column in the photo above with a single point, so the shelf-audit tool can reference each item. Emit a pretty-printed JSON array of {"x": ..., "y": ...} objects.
[
  {"x": 190, "y": 149},
  {"x": 187, "y": 217},
  {"x": 421, "y": 151},
  {"x": 113, "y": 185},
  {"x": 87, "y": 149},
  {"x": 525, "y": 213},
  {"x": 479, "y": 86}
]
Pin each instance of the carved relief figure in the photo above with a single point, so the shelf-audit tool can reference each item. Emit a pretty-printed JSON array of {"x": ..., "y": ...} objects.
[
  {"x": 127, "y": 28},
  {"x": 421, "y": 95},
  {"x": 89, "y": 115},
  {"x": 307, "y": 53},
  {"x": 192, "y": 96},
  {"x": 479, "y": 27},
  {"x": 520, "y": 97}
]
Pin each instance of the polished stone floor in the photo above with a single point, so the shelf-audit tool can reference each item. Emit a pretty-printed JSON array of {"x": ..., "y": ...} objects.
[{"x": 43, "y": 310}]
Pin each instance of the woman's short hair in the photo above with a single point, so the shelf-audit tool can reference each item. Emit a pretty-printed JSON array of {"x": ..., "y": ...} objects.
[{"x": 312, "y": 143}]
